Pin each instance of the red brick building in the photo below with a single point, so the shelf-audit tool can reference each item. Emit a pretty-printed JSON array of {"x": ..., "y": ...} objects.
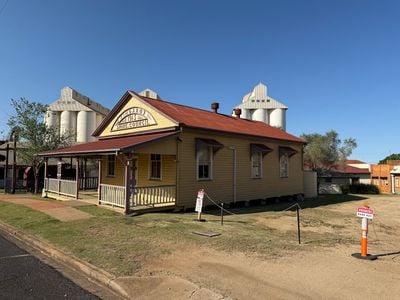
[{"x": 386, "y": 177}]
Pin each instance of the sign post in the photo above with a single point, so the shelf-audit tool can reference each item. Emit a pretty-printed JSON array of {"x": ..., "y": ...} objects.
[
  {"x": 365, "y": 213},
  {"x": 199, "y": 204}
]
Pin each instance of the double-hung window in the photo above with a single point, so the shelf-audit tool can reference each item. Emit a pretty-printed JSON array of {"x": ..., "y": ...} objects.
[
  {"x": 284, "y": 165},
  {"x": 204, "y": 162},
  {"x": 111, "y": 165},
  {"x": 256, "y": 164},
  {"x": 155, "y": 166},
  {"x": 205, "y": 151},
  {"x": 257, "y": 153},
  {"x": 284, "y": 155}
]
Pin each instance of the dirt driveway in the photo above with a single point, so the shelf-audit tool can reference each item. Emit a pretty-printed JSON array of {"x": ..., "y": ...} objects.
[{"x": 320, "y": 268}]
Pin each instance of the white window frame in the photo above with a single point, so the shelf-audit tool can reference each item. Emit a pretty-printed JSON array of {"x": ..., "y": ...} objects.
[
  {"x": 257, "y": 155},
  {"x": 284, "y": 172},
  {"x": 210, "y": 163},
  {"x": 151, "y": 166}
]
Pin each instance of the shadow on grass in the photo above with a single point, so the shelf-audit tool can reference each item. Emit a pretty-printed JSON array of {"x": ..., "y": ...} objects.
[{"x": 256, "y": 206}]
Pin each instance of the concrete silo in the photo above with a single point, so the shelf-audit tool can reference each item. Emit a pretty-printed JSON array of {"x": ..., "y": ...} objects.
[
  {"x": 75, "y": 114},
  {"x": 258, "y": 106},
  {"x": 52, "y": 119},
  {"x": 85, "y": 125},
  {"x": 68, "y": 122}
]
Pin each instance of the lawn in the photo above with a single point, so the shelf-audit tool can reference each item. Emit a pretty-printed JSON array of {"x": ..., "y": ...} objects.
[{"x": 121, "y": 244}]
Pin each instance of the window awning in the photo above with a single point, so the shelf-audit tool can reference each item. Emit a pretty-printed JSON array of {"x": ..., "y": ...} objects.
[
  {"x": 215, "y": 145},
  {"x": 287, "y": 151},
  {"x": 259, "y": 148}
]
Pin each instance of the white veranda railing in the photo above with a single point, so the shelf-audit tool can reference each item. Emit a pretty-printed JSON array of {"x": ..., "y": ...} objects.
[
  {"x": 112, "y": 194},
  {"x": 61, "y": 186}
]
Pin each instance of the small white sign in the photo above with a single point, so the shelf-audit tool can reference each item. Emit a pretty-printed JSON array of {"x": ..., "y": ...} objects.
[
  {"x": 363, "y": 212},
  {"x": 199, "y": 201}
]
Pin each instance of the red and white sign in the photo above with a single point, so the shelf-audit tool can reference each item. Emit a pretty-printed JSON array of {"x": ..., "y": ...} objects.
[
  {"x": 364, "y": 212},
  {"x": 199, "y": 201}
]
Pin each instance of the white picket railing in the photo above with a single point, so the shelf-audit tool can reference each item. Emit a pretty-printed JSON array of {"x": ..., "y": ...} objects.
[
  {"x": 152, "y": 195},
  {"x": 61, "y": 186},
  {"x": 112, "y": 194},
  {"x": 115, "y": 195}
]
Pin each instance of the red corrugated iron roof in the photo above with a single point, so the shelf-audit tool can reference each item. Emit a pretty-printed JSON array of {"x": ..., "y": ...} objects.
[
  {"x": 110, "y": 145},
  {"x": 350, "y": 170},
  {"x": 354, "y": 161},
  {"x": 346, "y": 169},
  {"x": 203, "y": 119}
]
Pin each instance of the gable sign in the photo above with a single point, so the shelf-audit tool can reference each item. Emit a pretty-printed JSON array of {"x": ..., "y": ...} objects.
[{"x": 133, "y": 117}]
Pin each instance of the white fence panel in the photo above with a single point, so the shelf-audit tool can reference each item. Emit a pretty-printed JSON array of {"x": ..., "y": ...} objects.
[
  {"x": 61, "y": 186},
  {"x": 150, "y": 196},
  {"x": 112, "y": 194}
]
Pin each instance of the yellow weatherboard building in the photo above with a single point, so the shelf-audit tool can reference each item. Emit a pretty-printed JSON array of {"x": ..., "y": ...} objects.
[{"x": 155, "y": 154}]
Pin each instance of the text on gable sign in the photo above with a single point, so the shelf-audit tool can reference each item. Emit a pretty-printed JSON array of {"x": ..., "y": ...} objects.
[{"x": 133, "y": 117}]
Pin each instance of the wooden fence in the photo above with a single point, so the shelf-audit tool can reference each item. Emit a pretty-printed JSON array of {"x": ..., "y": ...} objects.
[
  {"x": 60, "y": 186},
  {"x": 112, "y": 194},
  {"x": 151, "y": 196}
]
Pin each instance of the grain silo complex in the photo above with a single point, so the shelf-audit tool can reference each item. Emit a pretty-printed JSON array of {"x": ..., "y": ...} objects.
[
  {"x": 258, "y": 106},
  {"x": 75, "y": 114}
]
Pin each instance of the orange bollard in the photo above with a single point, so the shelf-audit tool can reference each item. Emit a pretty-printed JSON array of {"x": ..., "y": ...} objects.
[{"x": 364, "y": 237}]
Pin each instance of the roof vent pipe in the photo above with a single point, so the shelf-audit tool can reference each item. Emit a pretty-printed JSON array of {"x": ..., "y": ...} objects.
[
  {"x": 237, "y": 112},
  {"x": 214, "y": 107}
]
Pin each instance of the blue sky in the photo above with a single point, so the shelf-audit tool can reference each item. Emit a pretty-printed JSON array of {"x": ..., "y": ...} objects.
[{"x": 335, "y": 64}]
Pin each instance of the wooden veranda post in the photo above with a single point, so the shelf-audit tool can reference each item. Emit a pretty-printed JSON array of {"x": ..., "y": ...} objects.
[
  {"x": 84, "y": 173},
  {"x": 6, "y": 168},
  {"x": 77, "y": 179},
  {"x": 45, "y": 174},
  {"x": 128, "y": 182},
  {"x": 99, "y": 182},
  {"x": 59, "y": 174}
]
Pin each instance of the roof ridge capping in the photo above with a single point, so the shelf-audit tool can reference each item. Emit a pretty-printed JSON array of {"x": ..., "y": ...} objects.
[
  {"x": 206, "y": 119},
  {"x": 197, "y": 108}
]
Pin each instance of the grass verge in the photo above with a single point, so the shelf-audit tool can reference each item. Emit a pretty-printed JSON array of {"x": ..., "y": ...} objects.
[{"x": 121, "y": 244}]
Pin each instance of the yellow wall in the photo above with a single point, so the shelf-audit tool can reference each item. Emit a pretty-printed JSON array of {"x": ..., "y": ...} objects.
[
  {"x": 168, "y": 171},
  {"x": 220, "y": 188},
  {"x": 142, "y": 160},
  {"x": 161, "y": 120},
  {"x": 161, "y": 147},
  {"x": 118, "y": 179}
]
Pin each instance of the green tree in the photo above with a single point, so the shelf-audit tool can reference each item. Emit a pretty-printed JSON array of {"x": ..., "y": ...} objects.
[
  {"x": 33, "y": 135},
  {"x": 394, "y": 156},
  {"x": 322, "y": 152}
]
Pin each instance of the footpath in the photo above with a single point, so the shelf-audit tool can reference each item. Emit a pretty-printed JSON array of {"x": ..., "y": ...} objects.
[
  {"x": 63, "y": 211},
  {"x": 145, "y": 288}
]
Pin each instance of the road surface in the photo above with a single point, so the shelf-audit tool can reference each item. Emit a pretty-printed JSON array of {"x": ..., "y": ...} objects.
[{"x": 23, "y": 276}]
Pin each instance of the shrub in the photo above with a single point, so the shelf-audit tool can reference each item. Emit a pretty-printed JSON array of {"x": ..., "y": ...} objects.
[
  {"x": 361, "y": 188},
  {"x": 345, "y": 189}
]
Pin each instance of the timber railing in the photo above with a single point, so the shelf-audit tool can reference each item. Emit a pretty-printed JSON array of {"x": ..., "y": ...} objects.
[
  {"x": 86, "y": 183},
  {"x": 60, "y": 186},
  {"x": 112, "y": 194},
  {"x": 142, "y": 196},
  {"x": 153, "y": 195}
]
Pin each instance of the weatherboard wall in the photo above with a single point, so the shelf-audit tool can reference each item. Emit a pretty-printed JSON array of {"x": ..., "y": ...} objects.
[{"x": 220, "y": 187}]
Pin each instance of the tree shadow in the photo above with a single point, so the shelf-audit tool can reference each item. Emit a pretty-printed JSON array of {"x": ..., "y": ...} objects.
[{"x": 282, "y": 204}]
